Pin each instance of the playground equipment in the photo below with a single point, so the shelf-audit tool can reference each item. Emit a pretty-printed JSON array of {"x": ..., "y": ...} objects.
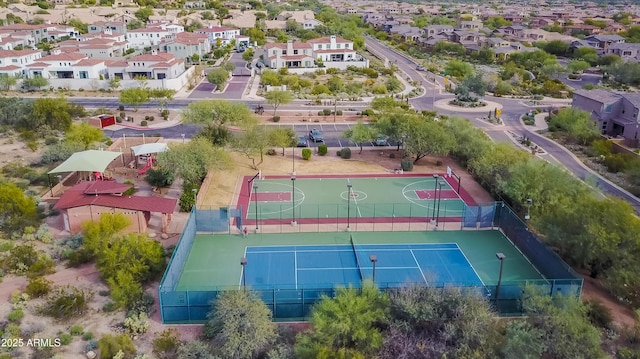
[{"x": 144, "y": 169}]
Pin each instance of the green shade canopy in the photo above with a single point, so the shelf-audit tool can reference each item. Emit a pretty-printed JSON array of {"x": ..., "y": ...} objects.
[{"x": 87, "y": 161}]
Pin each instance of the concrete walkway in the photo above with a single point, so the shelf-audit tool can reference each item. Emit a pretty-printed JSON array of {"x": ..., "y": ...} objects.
[
  {"x": 490, "y": 106},
  {"x": 152, "y": 125},
  {"x": 541, "y": 122}
]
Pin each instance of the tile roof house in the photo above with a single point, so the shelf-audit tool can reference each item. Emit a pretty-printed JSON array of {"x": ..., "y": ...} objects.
[
  {"x": 627, "y": 52},
  {"x": 616, "y": 114},
  {"x": 156, "y": 65},
  {"x": 87, "y": 200},
  {"x": 332, "y": 51},
  {"x": 184, "y": 45},
  {"x": 221, "y": 34}
]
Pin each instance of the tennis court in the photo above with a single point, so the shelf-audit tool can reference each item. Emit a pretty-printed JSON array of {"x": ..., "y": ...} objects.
[
  {"x": 344, "y": 265},
  {"x": 326, "y": 260},
  {"x": 362, "y": 197}
]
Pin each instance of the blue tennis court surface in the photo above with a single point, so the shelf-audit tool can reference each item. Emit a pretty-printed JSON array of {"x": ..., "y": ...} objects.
[{"x": 322, "y": 266}]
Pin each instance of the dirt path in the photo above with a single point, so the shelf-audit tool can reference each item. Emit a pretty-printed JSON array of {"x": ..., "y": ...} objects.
[{"x": 622, "y": 315}]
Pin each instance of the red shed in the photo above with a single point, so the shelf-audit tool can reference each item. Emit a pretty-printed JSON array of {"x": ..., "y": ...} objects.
[{"x": 102, "y": 121}]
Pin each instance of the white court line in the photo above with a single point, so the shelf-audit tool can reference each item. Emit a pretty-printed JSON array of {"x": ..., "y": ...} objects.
[
  {"x": 351, "y": 250},
  {"x": 366, "y": 244},
  {"x": 295, "y": 267},
  {"x": 245, "y": 256},
  {"x": 470, "y": 265},
  {"x": 353, "y": 268},
  {"x": 420, "y": 268}
]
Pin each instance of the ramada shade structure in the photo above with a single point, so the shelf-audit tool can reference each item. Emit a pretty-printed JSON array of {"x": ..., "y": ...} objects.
[
  {"x": 148, "y": 148},
  {"x": 87, "y": 161}
]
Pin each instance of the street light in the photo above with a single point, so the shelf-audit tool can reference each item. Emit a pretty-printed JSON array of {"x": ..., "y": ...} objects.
[
  {"x": 528, "y": 215},
  {"x": 439, "y": 198},
  {"x": 255, "y": 197},
  {"x": 243, "y": 263},
  {"x": 182, "y": 135},
  {"x": 373, "y": 260},
  {"x": 293, "y": 155},
  {"x": 348, "y": 205},
  {"x": 501, "y": 257},
  {"x": 293, "y": 199},
  {"x": 435, "y": 192}
]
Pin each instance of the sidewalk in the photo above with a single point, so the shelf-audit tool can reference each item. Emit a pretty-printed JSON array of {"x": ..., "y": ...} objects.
[
  {"x": 253, "y": 89},
  {"x": 541, "y": 122},
  {"x": 151, "y": 126}
]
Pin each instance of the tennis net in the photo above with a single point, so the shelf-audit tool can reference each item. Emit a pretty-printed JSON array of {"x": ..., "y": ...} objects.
[{"x": 355, "y": 254}]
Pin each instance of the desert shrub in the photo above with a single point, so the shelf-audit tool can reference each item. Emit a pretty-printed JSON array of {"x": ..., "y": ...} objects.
[
  {"x": 20, "y": 258},
  {"x": 187, "y": 201},
  {"x": 598, "y": 314},
  {"x": 65, "y": 303},
  {"x": 368, "y": 112},
  {"x": 28, "y": 330},
  {"x": 78, "y": 257},
  {"x": 306, "y": 154},
  {"x": 92, "y": 344},
  {"x": 271, "y": 152},
  {"x": 109, "y": 345},
  {"x": 60, "y": 151},
  {"x": 392, "y": 155},
  {"x": 121, "y": 108},
  {"x": 322, "y": 150},
  {"x": 276, "y": 118},
  {"x": 320, "y": 113},
  {"x": 151, "y": 118},
  {"x": 326, "y": 111},
  {"x": 38, "y": 287},
  {"x": 76, "y": 330},
  {"x": 12, "y": 330},
  {"x": 164, "y": 114},
  {"x": 118, "y": 119},
  {"x": 138, "y": 323},
  {"x": 65, "y": 339},
  {"x": 339, "y": 113},
  {"x": 616, "y": 162},
  {"x": 109, "y": 307},
  {"x": 345, "y": 153},
  {"x": 144, "y": 304},
  {"x": 406, "y": 164},
  {"x": 165, "y": 345},
  {"x": 87, "y": 336},
  {"x": 601, "y": 147},
  {"x": 43, "y": 234},
  {"x": 338, "y": 153},
  {"x": 15, "y": 316},
  {"x": 44, "y": 265},
  {"x": 143, "y": 123}
]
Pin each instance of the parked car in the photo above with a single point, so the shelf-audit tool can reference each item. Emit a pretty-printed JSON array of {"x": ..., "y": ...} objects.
[
  {"x": 316, "y": 136},
  {"x": 303, "y": 142},
  {"x": 381, "y": 140},
  {"x": 421, "y": 68}
]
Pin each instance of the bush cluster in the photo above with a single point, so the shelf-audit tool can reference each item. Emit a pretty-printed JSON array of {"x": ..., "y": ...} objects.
[
  {"x": 345, "y": 153},
  {"x": 322, "y": 150},
  {"x": 306, "y": 154}
]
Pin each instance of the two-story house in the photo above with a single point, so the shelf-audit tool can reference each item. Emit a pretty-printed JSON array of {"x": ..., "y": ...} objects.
[
  {"x": 95, "y": 48},
  {"x": 37, "y": 32},
  {"x": 311, "y": 24},
  {"x": 627, "y": 52},
  {"x": 433, "y": 30},
  {"x": 333, "y": 48},
  {"x": 289, "y": 55},
  {"x": 12, "y": 62},
  {"x": 219, "y": 35},
  {"x": 147, "y": 37},
  {"x": 113, "y": 26},
  {"x": 156, "y": 65},
  {"x": 60, "y": 66},
  {"x": 331, "y": 51},
  {"x": 616, "y": 114},
  {"x": 184, "y": 45}
]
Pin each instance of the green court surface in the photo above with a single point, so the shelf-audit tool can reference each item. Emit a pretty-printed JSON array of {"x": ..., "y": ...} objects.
[
  {"x": 214, "y": 260},
  {"x": 367, "y": 197}
]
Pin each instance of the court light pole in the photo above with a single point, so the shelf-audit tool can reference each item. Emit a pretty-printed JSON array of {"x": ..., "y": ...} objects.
[
  {"x": 439, "y": 198},
  {"x": 293, "y": 199},
  {"x": 243, "y": 263},
  {"x": 373, "y": 260},
  {"x": 435, "y": 192},
  {"x": 501, "y": 257},
  {"x": 255, "y": 197},
  {"x": 348, "y": 205}
]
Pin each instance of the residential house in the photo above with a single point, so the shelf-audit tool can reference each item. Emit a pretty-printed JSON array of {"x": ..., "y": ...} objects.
[
  {"x": 332, "y": 52},
  {"x": 9, "y": 40},
  {"x": 113, "y": 26},
  {"x": 156, "y": 65},
  {"x": 617, "y": 114},
  {"x": 37, "y": 32},
  {"x": 88, "y": 200},
  {"x": 60, "y": 66},
  {"x": 12, "y": 62},
  {"x": 470, "y": 25},
  {"x": 627, "y": 52},
  {"x": 96, "y": 47},
  {"x": 581, "y": 29},
  {"x": 311, "y": 24},
  {"x": 512, "y": 30},
  {"x": 407, "y": 33},
  {"x": 432, "y": 30},
  {"x": 602, "y": 42},
  {"x": 185, "y": 45},
  {"x": 195, "y": 5},
  {"x": 219, "y": 35},
  {"x": 147, "y": 37}
]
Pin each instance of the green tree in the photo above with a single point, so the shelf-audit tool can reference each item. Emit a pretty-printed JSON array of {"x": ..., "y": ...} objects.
[
  {"x": 194, "y": 350},
  {"x": 471, "y": 142},
  {"x": 359, "y": 134},
  {"x": 253, "y": 142},
  {"x": 577, "y": 66},
  {"x": 192, "y": 160},
  {"x": 84, "y": 133},
  {"x": 82, "y": 27},
  {"x": 523, "y": 341},
  {"x": 458, "y": 69},
  {"x": 577, "y": 123},
  {"x": 492, "y": 166},
  {"x": 144, "y": 13},
  {"x": 428, "y": 322},
  {"x": 426, "y": 137},
  {"x": 587, "y": 54},
  {"x": 17, "y": 210},
  {"x": 270, "y": 77},
  {"x": 52, "y": 112},
  {"x": 36, "y": 82},
  {"x": 346, "y": 326},
  {"x": 564, "y": 322},
  {"x": 135, "y": 24},
  {"x": 134, "y": 97},
  {"x": 556, "y": 47},
  {"x": 7, "y": 82},
  {"x": 247, "y": 55},
  {"x": 218, "y": 77},
  {"x": 276, "y": 98},
  {"x": 553, "y": 70},
  {"x": 239, "y": 325},
  {"x": 159, "y": 178},
  {"x": 114, "y": 83},
  {"x": 494, "y": 22},
  {"x": 213, "y": 113},
  {"x": 335, "y": 84},
  {"x": 393, "y": 84},
  {"x": 282, "y": 137},
  {"x": 229, "y": 66},
  {"x": 256, "y": 35},
  {"x": 320, "y": 89},
  {"x": 475, "y": 84}
]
